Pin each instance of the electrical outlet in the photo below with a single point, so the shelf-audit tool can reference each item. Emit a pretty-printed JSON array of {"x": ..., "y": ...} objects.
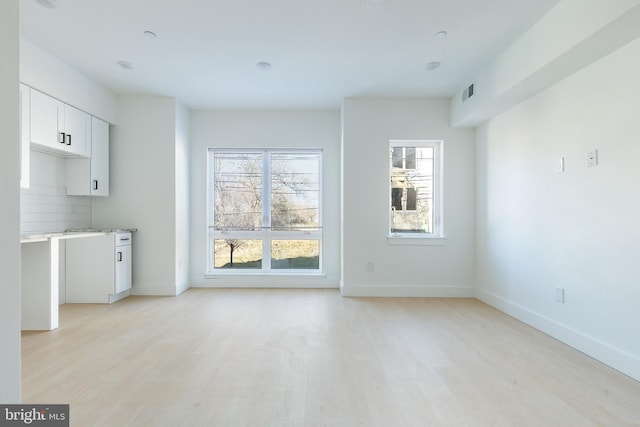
[
  {"x": 560, "y": 295},
  {"x": 592, "y": 158}
]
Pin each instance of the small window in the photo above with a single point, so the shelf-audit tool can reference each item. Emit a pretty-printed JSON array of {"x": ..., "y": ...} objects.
[{"x": 415, "y": 182}]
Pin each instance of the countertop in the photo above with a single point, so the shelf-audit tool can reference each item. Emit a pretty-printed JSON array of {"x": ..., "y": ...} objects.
[
  {"x": 70, "y": 234},
  {"x": 102, "y": 230}
]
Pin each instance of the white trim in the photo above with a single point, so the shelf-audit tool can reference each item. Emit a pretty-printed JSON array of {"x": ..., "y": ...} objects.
[
  {"x": 614, "y": 357},
  {"x": 415, "y": 291},
  {"x": 163, "y": 291}
]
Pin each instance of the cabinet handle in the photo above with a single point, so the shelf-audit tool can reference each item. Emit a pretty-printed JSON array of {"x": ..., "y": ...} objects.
[
  {"x": 119, "y": 256},
  {"x": 69, "y": 139},
  {"x": 95, "y": 184},
  {"x": 63, "y": 137}
]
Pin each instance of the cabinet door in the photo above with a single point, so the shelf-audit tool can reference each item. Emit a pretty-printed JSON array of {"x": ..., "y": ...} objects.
[
  {"x": 99, "y": 157},
  {"x": 123, "y": 268},
  {"x": 90, "y": 177},
  {"x": 46, "y": 120},
  {"x": 24, "y": 136},
  {"x": 90, "y": 273},
  {"x": 77, "y": 128}
]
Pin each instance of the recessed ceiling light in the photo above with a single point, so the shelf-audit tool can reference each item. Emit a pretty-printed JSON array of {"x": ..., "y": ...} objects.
[
  {"x": 432, "y": 65},
  {"x": 126, "y": 65},
  {"x": 150, "y": 34},
  {"x": 263, "y": 66},
  {"x": 441, "y": 34},
  {"x": 375, "y": 4},
  {"x": 49, "y": 4}
]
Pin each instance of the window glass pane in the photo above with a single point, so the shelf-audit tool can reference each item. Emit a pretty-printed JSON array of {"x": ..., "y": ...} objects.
[
  {"x": 396, "y": 198},
  {"x": 396, "y": 157},
  {"x": 295, "y": 191},
  {"x": 412, "y": 191},
  {"x": 237, "y": 253},
  {"x": 410, "y": 157},
  {"x": 411, "y": 199},
  {"x": 238, "y": 191},
  {"x": 295, "y": 254}
]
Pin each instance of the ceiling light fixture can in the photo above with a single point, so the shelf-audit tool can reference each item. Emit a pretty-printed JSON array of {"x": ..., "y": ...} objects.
[
  {"x": 263, "y": 66},
  {"x": 432, "y": 65},
  {"x": 49, "y": 4},
  {"x": 150, "y": 34},
  {"x": 126, "y": 65},
  {"x": 441, "y": 34},
  {"x": 375, "y": 4}
]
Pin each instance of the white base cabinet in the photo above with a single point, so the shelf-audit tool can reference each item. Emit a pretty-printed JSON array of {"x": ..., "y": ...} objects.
[{"x": 98, "y": 269}]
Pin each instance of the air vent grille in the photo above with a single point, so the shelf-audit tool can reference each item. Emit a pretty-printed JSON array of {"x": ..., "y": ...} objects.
[{"x": 468, "y": 92}]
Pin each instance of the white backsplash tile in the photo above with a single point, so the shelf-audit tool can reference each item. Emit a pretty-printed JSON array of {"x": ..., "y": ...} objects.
[{"x": 45, "y": 206}]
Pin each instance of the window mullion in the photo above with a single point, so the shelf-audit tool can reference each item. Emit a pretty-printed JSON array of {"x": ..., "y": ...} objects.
[{"x": 266, "y": 211}]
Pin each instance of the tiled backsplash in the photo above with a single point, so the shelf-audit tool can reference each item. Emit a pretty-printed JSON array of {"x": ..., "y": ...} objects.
[{"x": 45, "y": 206}]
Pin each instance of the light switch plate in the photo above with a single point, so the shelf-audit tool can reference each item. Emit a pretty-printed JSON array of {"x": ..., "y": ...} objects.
[
  {"x": 592, "y": 158},
  {"x": 559, "y": 165}
]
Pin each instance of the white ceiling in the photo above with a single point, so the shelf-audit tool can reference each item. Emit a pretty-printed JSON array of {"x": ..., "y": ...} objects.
[{"x": 322, "y": 51}]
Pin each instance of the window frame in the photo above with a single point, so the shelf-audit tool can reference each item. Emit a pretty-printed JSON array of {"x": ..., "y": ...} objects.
[
  {"x": 266, "y": 234},
  {"x": 437, "y": 236}
]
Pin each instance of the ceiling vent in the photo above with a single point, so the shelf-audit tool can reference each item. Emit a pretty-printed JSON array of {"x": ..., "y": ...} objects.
[{"x": 468, "y": 92}]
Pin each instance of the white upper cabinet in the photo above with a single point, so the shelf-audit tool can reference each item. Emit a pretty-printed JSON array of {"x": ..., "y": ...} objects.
[
  {"x": 77, "y": 131},
  {"x": 24, "y": 137},
  {"x": 58, "y": 127},
  {"x": 90, "y": 177},
  {"x": 99, "y": 157},
  {"x": 46, "y": 113}
]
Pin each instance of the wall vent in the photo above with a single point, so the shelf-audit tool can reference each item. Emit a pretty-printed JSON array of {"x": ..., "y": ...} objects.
[{"x": 468, "y": 92}]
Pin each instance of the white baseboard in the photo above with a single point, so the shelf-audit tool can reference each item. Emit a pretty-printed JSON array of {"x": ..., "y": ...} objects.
[
  {"x": 160, "y": 291},
  {"x": 624, "y": 362},
  {"x": 406, "y": 291},
  {"x": 214, "y": 285}
]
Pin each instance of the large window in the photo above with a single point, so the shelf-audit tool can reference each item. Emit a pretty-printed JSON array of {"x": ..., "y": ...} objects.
[
  {"x": 414, "y": 192},
  {"x": 264, "y": 210}
]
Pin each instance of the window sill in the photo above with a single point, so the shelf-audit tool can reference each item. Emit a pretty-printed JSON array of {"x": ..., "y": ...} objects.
[{"x": 416, "y": 241}]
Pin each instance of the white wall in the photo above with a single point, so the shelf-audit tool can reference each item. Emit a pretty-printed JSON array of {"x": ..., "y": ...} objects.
[
  {"x": 182, "y": 190},
  {"x": 403, "y": 270},
  {"x": 274, "y": 129},
  {"x": 45, "y": 72},
  {"x": 539, "y": 230},
  {"x": 142, "y": 189},
  {"x": 9, "y": 205}
]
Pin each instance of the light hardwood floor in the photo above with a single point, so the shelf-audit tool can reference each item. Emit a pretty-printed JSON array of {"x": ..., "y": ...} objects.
[{"x": 313, "y": 358}]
